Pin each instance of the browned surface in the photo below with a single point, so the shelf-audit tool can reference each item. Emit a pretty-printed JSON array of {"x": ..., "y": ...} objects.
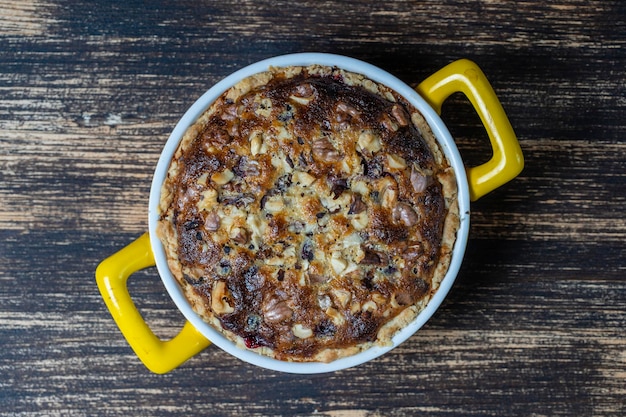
[
  {"x": 255, "y": 285},
  {"x": 534, "y": 325}
]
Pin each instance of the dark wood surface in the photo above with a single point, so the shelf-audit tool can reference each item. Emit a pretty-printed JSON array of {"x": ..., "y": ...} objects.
[{"x": 535, "y": 324}]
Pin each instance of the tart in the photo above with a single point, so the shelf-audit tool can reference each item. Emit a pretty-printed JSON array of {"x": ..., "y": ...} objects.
[{"x": 309, "y": 213}]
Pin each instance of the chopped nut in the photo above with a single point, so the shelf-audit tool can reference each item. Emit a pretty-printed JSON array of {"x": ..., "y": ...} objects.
[
  {"x": 237, "y": 200},
  {"x": 264, "y": 107},
  {"x": 302, "y": 178},
  {"x": 396, "y": 162},
  {"x": 301, "y": 100},
  {"x": 350, "y": 268},
  {"x": 401, "y": 299},
  {"x": 352, "y": 239},
  {"x": 324, "y": 150},
  {"x": 256, "y": 143},
  {"x": 257, "y": 226},
  {"x": 346, "y": 167},
  {"x": 372, "y": 257},
  {"x": 343, "y": 113},
  {"x": 301, "y": 332},
  {"x": 369, "y": 141},
  {"x": 289, "y": 252},
  {"x": 317, "y": 278},
  {"x": 208, "y": 199},
  {"x": 274, "y": 204},
  {"x": 388, "y": 123},
  {"x": 219, "y": 299},
  {"x": 337, "y": 186},
  {"x": 224, "y": 177},
  {"x": 337, "y": 318},
  {"x": 388, "y": 192},
  {"x": 360, "y": 221},
  {"x": 346, "y": 108},
  {"x": 404, "y": 214},
  {"x": 276, "y": 311},
  {"x": 239, "y": 235},
  {"x": 212, "y": 222},
  {"x": 342, "y": 297},
  {"x": 338, "y": 264},
  {"x": 369, "y": 306},
  {"x": 324, "y": 301},
  {"x": 218, "y": 137},
  {"x": 229, "y": 113},
  {"x": 233, "y": 129},
  {"x": 378, "y": 298},
  {"x": 283, "y": 134},
  {"x": 356, "y": 205},
  {"x": 280, "y": 162},
  {"x": 360, "y": 187},
  {"x": 400, "y": 115},
  {"x": 305, "y": 90},
  {"x": 355, "y": 307},
  {"x": 418, "y": 180},
  {"x": 275, "y": 261},
  {"x": 202, "y": 179}
]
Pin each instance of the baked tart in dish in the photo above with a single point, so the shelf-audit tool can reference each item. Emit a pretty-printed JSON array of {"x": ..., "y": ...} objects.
[{"x": 309, "y": 213}]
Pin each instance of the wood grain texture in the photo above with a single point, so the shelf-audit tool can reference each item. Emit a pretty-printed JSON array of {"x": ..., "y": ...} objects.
[{"x": 535, "y": 323}]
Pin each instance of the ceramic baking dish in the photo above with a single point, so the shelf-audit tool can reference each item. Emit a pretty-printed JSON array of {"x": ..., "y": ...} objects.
[{"x": 473, "y": 182}]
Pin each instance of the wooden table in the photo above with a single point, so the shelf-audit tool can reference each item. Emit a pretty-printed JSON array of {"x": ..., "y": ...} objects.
[{"x": 535, "y": 324}]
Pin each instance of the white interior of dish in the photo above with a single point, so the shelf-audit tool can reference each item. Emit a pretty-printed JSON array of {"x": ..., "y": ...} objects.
[{"x": 303, "y": 59}]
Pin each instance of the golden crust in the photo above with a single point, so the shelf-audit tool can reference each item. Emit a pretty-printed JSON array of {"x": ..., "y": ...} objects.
[{"x": 309, "y": 214}]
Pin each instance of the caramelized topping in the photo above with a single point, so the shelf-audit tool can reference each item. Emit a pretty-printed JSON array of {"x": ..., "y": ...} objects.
[{"x": 307, "y": 213}]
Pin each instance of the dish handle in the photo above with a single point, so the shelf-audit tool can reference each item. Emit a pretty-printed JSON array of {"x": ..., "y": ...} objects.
[
  {"x": 466, "y": 77},
  {"x": 112, "y": 276}
]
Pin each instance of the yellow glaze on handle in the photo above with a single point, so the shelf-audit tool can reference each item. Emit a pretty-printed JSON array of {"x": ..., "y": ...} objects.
[
  {"x": 507, "y": 161},
  {"x": 112, "y": 276}
]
